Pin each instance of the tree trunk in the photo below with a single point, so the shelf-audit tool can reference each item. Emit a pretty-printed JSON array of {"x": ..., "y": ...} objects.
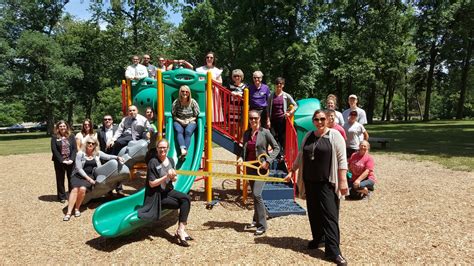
[
  {"x": 384, "y": 105},
  {"x": 339, "y": 95},
  {"x": 371, "y": 104},
  {"x": 465, "y": 71},
  {"x": 405, "y": 94},
  {"x": 70, "y": 112},
  {"x": 429, "y": 84},
  {"x": 391, "y": 92}
]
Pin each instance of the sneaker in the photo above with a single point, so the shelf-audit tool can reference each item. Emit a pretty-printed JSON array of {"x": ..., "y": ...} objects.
[
  {"x": 250, "y": 226},
  {"x": 260, "y": 231}
]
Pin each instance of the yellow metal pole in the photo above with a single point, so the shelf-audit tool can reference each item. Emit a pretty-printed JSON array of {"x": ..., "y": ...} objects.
[
  {"x": 159, "y": 102},
  {"x": 292, "y": 117},
  {"x": 124, "y": 97},
  {"x": 208, "y": 165},
  {"x": 245, "y": 126},
  {"x": 129, "y": 93}
]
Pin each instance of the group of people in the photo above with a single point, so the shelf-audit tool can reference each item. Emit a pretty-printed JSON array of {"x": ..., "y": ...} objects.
[{"x": 338, "y": 143}]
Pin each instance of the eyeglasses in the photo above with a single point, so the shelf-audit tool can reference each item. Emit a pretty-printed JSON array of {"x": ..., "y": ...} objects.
[
  {"x": 254, "y": 118},
  {"x": 107, "y": 119},
  {"x": 186, "y": 92},
  {"x": 90, "y": 143},
  {"x": 146, "y": 58},
  {"x": 257, "y": 77},
  {"x": 322, "y": 119}
]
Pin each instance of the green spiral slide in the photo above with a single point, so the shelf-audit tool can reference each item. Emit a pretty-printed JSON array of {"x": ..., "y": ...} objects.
[{"x": 119, "y": 217}]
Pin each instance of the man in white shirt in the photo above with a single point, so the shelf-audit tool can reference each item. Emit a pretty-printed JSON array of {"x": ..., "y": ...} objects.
[
  {"x": 133, "y": 127},
  {"x": 361, "y": 116},
  {"x": 136, "y": 71}
]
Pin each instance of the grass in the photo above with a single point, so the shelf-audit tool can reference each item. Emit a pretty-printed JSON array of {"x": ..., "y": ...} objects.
[
  {"x": 24, "y": 143},
  {"x": 449, "y": 143}
]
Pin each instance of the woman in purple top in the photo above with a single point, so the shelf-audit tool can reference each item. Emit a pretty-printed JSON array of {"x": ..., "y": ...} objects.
[
  {"x": 280, "y": 106},
  {"x": 258, "y": 97}
]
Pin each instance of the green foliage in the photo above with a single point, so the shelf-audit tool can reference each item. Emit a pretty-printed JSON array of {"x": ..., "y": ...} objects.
[
  {"x": 109, "y": 101},
  {"x": 12, "y": 113}
]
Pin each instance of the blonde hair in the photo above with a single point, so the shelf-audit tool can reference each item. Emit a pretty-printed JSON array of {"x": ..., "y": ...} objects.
[
  {"x": 91, "y": 138},
  {"x": 182, "y": 88},
  {"x": 366, "y": 143}
]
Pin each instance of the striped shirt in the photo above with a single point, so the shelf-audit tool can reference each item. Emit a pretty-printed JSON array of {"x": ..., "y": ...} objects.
[{"x": 185, "y": 112}]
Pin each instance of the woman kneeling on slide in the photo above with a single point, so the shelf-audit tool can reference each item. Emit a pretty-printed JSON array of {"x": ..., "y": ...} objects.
[
  {"x": 83, "y": 175},
  {"x": 160, "y": 193}
]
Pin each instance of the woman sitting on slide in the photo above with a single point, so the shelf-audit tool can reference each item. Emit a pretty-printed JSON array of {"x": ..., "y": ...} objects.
[
  {"x": 83, "y": 177},
  {"x": 185, "y": 111},
  {"x": 160, "y": 193},
  {"x": 362, "y": 165}
]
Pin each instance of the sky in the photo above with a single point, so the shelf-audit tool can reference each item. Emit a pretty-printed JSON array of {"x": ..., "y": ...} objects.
[{"x": 78, "y": 8}]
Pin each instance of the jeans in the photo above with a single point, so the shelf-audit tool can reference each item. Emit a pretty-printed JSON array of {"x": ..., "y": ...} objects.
[
  {"x": 368, "y": 183},
  {"x": 184, "y": 133}
]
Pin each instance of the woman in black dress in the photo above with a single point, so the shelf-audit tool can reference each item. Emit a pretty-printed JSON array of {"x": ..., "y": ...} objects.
[
  {"x": 323, "y": 167},
  {"x": 63, "y": 147},
  {"x": 160, "y": 193},
  {"x": 83, "y": 178}
]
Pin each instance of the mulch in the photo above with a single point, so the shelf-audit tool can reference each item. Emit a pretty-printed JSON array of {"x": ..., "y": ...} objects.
[{"x": 419, "y": 213}]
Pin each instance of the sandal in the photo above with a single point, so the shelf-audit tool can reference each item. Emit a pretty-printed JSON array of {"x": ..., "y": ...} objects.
[
  {"x": 67, "y": 217},
  {"x": 77, "y": 213}
]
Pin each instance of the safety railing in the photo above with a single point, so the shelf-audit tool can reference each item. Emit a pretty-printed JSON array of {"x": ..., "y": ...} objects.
[
  {"x": 291, "y": 147},
  {"x": 227, "y": 112}
]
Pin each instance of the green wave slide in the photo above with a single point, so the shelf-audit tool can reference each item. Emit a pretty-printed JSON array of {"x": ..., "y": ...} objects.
[
  {"x": 119, "y": 217},
  {"x": 304, "y": 116}
]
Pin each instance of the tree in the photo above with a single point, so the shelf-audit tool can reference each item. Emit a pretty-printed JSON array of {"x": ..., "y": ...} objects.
[
  {"x": 432, "y": 28},
  {"x": 42, "y": 77}
]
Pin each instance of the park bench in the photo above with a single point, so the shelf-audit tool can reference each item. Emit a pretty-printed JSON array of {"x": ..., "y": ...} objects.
[{"x": 382, "y": 141}]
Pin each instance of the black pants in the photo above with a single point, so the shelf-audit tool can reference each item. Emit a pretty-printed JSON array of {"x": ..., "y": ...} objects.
[
  {"x": 323, "y": 213},
  {"x": 60, "y": 170},
  {"x": 121, "y": 142},
  {"x": 279, "y": 132},
  {"x": 177, "y": 200}
]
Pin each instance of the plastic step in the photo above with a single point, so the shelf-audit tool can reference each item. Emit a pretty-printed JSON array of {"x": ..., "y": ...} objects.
[
  {"x": 276, "y": 191},
  {"x": 283, "y": 207}
]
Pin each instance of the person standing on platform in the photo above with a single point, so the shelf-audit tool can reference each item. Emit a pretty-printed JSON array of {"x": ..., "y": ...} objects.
[{"x": 258, "y": 97}]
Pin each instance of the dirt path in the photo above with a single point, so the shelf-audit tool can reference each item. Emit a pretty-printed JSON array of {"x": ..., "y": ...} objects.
[{"x": 419, "y": 213}]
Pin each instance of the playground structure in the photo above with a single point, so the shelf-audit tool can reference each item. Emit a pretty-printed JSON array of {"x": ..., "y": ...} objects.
[{"x": 119, "y": 217}]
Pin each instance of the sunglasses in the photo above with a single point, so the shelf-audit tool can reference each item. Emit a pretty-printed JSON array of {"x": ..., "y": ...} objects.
[
  {"x": 209, "y": 57},
  {"x": 107, "y": 119},
  {"x": 236, "y": 76},
  {"x": 254, "y": 118},
  {"x": 322, "y": 119},
  {"x": 257, "y": 77},
  {"x": 90, "y": 143}
]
